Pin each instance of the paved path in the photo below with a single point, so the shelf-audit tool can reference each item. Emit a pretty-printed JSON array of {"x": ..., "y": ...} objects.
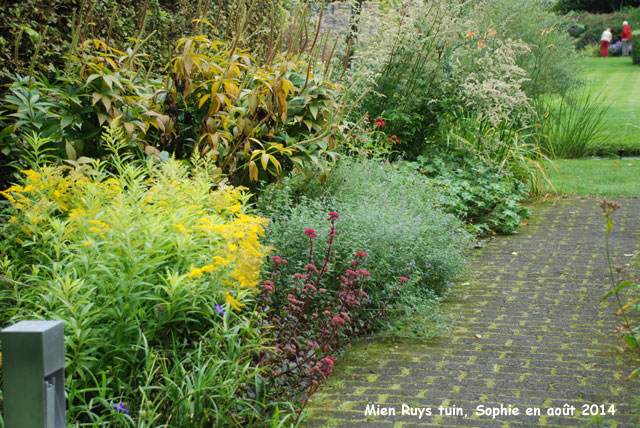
[{"x": 544, "y": 339}]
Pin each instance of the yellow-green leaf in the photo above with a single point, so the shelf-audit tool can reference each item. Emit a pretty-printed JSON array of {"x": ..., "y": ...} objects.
[
  {"x": 253, "y": 171},
  {"x": 203, "y": 100},
  {"x": 265, "y": 160}
]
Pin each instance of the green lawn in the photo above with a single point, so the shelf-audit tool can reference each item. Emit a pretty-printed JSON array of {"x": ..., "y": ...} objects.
[
  {"x": 618, "y": 80},
  {"x": 596, "y": 177}
]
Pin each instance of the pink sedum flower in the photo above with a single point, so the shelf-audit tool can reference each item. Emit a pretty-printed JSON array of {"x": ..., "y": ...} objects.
[{"x": 337, "y": 320}]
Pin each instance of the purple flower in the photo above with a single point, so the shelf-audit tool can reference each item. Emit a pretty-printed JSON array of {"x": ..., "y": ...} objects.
[
  {"x": 449, "y": 284},
  {"x": 119, "y": 407},
  {"x": 219, "y": 309}
]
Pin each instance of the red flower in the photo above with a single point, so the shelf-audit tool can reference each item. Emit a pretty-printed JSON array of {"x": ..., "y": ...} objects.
[
  {"x": 333, "y": 216},
  {"x": 337, "y": 320},
  {"x": 364, "y": 272},
  {"x": 380, "y": 122},
  {"x": 294, "y": 301},
  {"x": 325, "y": 365},
  {"x": 361, "y": 254},
  {"x": 278, "y": 260},
  {"x": 403, "y": 279},
  {"x": 268, "y": 286},
  {"x": 328, "y": 360},
  {"x": 310, "y": 233}
]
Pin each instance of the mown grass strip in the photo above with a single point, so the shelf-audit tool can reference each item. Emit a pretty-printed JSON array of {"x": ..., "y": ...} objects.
[{"x": 596, "y": 177}]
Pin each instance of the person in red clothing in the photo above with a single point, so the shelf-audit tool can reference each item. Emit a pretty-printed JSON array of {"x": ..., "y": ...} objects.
[
  {"x": 605, "y": 39},
  {"x": 625, "y": 38}
]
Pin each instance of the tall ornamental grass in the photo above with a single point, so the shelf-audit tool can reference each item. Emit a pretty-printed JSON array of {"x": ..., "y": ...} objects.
[
  {"x": 153, "y": 273},
  {"x": 572, "y": 126}
]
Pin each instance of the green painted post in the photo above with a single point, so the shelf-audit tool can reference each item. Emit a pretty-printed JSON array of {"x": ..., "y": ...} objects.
[{"x": 33, "y": 375}]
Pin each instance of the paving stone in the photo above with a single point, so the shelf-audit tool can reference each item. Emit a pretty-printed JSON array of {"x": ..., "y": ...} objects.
[{"x": 546, "y": 340}]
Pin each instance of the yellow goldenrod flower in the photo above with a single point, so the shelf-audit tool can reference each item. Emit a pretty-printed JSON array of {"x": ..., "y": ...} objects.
[
  {"x": 234, "y": 303},
  {"x": 208, "y": 268},
  {"x": 195, "y": 273},
  {"x": 16, "y": 189},
  {"x": 96, "y": 230},
  {"x": 220, "y": 260},
  {"x": 179, "y": 227},
  {"x": 77, "y": 212},
  {"x": 100, "y": 224},
  {"x": 87, "y": 243},
  {"x": 8, "y": 196}
]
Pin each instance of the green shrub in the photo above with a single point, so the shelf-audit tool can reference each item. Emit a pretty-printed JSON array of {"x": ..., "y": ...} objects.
[
  {"x": 257, "y": 120},
  {"x": 591, "y": 50},
  {"x": 254, "y": 120},
  {"x": 635, "y": 56},
  {"x": 159, "y": 23},
  {"x": 475, "y": 191},
  {"x": 388, "y": 212},
  {"x": 594, "y": 6},
  {"x": 154, "y": 275}
]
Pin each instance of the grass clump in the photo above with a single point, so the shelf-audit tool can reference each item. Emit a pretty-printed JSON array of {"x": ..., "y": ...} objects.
[{"x": 571, "y": 127}]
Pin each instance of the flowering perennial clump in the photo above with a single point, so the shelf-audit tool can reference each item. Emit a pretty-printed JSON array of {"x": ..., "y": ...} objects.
[
  {"x": 55, "y": 194},
  {"x": 309, "y": 322},
  {"x": 143, "y": 267}
]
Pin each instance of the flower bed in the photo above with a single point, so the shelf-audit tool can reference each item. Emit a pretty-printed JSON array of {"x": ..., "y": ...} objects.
[{"x": 154, "y": 276}]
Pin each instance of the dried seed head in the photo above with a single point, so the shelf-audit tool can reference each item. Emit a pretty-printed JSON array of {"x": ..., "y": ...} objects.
[{"x": 609, "y": 207}]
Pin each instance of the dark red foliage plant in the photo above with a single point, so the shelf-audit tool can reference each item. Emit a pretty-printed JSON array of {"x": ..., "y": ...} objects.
[{"x": 308, "y": 322}]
